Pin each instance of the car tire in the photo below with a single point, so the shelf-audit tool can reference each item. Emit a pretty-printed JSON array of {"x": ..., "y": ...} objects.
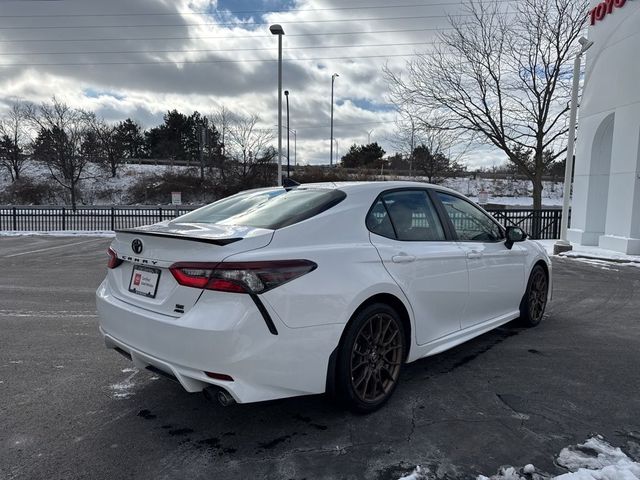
[
  {"x": 370, "y": 358},
  {"x": 534, "y": 300}
]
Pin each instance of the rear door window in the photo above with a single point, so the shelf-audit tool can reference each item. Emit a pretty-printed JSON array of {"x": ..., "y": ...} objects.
[{"x": 406, "y": 215}]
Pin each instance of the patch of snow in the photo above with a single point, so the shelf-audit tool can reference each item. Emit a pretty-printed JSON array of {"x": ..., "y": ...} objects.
[
  {"x": 124, "y": 389},
  {"x": 594, "y": 459},
  {"x": 417, "y": 474},
  {"x": 595, "y": 254}
]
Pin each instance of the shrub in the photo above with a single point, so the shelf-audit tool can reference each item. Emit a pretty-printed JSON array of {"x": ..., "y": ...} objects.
[
  {"x": 29, "y": 191},
  {"x": 156, "y": 189}
]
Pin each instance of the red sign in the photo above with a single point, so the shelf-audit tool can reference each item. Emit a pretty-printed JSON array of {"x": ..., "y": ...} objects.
[{"x": 603, "y": 9}]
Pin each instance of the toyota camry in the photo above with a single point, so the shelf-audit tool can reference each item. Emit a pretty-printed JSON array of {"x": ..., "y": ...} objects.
[{"x": 280, "y": 292}]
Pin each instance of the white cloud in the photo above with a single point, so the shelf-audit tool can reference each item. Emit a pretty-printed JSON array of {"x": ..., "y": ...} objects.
[{"x": 190, "y": 61}]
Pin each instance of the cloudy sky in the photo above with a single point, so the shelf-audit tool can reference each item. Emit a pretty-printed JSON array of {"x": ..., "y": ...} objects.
[{"x": 140, "y": 58}]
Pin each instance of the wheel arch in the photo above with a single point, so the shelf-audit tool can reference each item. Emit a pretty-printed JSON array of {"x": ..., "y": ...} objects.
[
  {"x": 388, "y": 299},
  {"x": 544, "y": 266}
]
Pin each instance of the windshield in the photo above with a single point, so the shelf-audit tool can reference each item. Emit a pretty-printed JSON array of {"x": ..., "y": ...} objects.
[{"x": 230, "y": 206}]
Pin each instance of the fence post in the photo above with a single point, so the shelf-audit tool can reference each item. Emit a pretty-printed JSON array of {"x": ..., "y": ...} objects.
[
  {"x": 64, "y": 219},
  {"x": 113, "y": 220},
  {"x": 160, "y": 213},
  {"x": 15, "y": 219}
]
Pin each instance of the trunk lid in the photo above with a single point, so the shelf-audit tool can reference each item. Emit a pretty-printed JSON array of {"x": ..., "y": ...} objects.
[{"x": 148, "y": 252}]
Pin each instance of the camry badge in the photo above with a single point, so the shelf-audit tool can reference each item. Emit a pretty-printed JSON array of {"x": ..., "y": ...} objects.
[{"x": 136, "y": 246}]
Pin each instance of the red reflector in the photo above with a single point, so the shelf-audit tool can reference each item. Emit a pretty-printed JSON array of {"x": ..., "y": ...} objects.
[
  {"x": 219, "y": 376},
  {"x": 113, "y": 261},
  {"x": 225, "y": 286}
]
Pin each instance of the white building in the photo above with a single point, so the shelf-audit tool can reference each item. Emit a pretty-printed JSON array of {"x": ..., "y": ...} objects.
[{"x": 606, "y": 195}]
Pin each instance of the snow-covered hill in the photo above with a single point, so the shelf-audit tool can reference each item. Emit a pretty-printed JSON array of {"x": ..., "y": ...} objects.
[{"x": 98, "y": 188}]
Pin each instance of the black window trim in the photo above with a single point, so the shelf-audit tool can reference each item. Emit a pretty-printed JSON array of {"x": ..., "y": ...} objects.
[
  {"x": 449, "y": 232},
  {"x": 442, "y": 211}
]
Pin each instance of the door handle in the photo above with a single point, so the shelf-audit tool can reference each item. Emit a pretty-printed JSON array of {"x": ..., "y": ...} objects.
[
  {"x": 403, "y": 258},
  {"x": 474, "y": 254}
]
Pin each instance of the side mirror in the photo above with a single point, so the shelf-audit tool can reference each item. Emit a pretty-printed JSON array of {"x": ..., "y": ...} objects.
[{"x": 514, "y": 234}]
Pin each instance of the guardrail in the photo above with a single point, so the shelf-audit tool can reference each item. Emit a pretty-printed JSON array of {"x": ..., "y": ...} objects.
[{"x": 540, "y": 224}]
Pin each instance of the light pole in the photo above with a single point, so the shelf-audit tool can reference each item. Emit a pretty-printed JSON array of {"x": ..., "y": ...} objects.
[
  {"x": 278, "y": 30},
  {"x": 333, "y": 79},
  {"x": 563, "y": 245},
  {"x": 286, "y": 94},
  {"x": 295, "y": 144},
  {"x": 295, "y": 148}
]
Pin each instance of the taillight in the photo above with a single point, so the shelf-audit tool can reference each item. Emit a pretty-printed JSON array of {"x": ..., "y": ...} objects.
[
  {"x": 113, "y": 261},
  {"x": 240, "y": 277}
]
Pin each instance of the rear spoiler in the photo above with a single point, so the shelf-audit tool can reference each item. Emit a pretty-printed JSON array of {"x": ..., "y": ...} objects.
[{"x": 212, "y": 241}]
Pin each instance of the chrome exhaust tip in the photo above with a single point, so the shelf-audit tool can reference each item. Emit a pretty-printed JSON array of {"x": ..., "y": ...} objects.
[{"x": 219, "y": 395}]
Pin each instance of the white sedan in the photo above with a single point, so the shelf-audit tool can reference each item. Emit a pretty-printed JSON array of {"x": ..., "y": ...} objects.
[{"x": 278, "y": 292}]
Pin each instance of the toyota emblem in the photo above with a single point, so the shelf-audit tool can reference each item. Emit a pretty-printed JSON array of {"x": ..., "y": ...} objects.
[{"x": 136, "y": 246}]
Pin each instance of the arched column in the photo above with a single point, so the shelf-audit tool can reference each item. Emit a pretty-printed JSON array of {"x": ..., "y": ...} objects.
[
  {"x": 622, "y": 229},
  {"x": 591, "y": 180}
]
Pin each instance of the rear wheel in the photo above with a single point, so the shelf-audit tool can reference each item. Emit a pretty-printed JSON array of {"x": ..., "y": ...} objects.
[
  {"x": 370, "y": 358},
  {"x": 535, "y": 298}
]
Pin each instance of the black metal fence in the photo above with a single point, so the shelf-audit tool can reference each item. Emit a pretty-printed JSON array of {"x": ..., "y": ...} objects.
[
  {"x": 42, "y": 218},
  {"x": 540, "y": 224}
]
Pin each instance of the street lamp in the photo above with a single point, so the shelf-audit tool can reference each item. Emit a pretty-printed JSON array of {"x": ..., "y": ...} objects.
[
  {"x": 295, "y": 143},
  {"x": 278, "y": 30},
  {"x": 333, "y": 79},
  {"x": 563, "y": 245},
  {"x": 286, "y": 94}
]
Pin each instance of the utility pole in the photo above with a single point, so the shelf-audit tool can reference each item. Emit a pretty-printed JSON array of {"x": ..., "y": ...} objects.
[{"x": 286, "y": 94}]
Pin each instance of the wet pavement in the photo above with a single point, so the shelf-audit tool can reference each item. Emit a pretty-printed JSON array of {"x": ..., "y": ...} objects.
[{"x": 70, "y": 409}]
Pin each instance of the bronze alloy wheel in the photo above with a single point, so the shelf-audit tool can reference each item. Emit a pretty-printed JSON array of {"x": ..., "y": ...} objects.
[
  {"x": 534, "y": 300},
  {"x": 376, "y": 357},
  {"x": 537, "y": 294}
]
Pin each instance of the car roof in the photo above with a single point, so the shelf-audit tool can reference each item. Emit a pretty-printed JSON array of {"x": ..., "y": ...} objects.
[{"x": 375, "y": 186}]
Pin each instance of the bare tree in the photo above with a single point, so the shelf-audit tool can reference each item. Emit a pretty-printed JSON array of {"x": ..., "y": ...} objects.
[
  {"x": 14, "y": 140},
  {"x": 247, "y": 145},
  {"x": 221, "y": 120},
  {"x": 63, "y": 143},
  {"x": 501, "y": 76},
  {"x": 109, "y": 148}
]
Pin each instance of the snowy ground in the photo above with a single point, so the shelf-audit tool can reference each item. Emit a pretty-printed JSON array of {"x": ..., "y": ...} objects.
[
  {"x": 594, "y": 459},
  {"x": 99, "y": 188},
  {"x": 594, "y": 255}
]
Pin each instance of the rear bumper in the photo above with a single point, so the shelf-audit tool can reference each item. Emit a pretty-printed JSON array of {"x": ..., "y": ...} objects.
[{"x": 223, "y": 333}]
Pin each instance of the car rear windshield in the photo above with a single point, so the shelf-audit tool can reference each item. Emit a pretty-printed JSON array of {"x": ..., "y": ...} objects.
[
  {"x": 230, "y": 206},
  {"x": 277, "y": 211}
]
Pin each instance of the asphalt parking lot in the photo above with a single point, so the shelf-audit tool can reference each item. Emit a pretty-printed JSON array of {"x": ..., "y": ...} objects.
[{"x": 70, "y": 409}]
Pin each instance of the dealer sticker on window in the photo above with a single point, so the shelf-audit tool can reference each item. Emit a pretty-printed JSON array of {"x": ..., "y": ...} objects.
[{"x": 144, "y": 281}]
